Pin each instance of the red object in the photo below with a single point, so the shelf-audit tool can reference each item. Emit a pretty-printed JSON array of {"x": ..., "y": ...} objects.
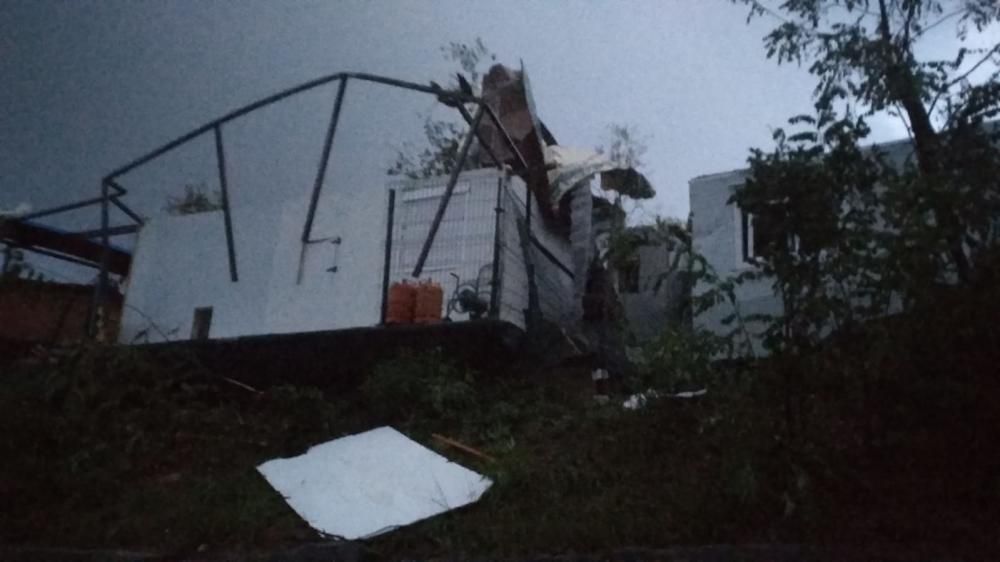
[
  {"x": 402, "y": 301},
  {"x": 429, "y": 301}
]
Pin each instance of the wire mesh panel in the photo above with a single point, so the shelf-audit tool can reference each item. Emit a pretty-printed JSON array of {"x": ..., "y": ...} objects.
[{"x": 461, "y": 257}]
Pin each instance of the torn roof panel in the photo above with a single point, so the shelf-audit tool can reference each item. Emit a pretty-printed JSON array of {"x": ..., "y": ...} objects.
[{"x": 507, "y": 92}]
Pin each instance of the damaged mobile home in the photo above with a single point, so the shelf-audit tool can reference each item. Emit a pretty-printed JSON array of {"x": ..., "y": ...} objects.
[{"x": 511, "y": 230}]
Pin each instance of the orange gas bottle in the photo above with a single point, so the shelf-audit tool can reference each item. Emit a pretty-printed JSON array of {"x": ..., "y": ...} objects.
[
  {"x": 402, "y": 301},
  {"x": 430, "y": 298}
]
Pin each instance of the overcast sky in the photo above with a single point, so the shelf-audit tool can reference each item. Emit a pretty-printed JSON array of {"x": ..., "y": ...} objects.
[{"x": 88, "y": 86}]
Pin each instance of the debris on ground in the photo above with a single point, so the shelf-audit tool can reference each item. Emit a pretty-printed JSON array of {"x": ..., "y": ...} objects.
[
  {"x": 370, "y": 483},
  {"x": 640, "y": 399}
]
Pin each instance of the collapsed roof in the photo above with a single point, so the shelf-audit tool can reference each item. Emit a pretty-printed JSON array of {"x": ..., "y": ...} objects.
[{"x": 552, "y": 170}]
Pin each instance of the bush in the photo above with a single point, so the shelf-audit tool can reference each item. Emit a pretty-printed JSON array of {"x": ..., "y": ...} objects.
[
  {"x": 679, "y": 359},
  {"x": 426, "y": 385}
]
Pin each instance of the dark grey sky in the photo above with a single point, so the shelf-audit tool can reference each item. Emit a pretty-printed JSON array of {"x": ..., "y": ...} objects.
[{"x": 87, "y": 86}]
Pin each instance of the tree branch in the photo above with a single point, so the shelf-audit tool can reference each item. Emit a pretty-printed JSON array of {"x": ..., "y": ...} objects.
[
  {"x": 986, "y": 57},
  {"x": 944, "y": 90},
  {"x": 767, "y": 10},
  {"x": 937, "y": 23},
  {"x": 908, "y": 22}
]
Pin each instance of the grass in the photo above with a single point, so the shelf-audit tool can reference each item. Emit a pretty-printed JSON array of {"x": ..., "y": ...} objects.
[{"x": 110, "y": 447}]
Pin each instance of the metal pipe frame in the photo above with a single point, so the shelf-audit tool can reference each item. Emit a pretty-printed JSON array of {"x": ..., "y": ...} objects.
[
  {"x": 452, "y": 181},
  {"x": 112, "y": 231},
  {"x": 495, "y": 286},
  {"x": 58, "y": 256},
  {"x": 112, "y": 190},
  {"x": 324, "y": 161},
  {"x": 387, "y": 265},
  {"x": 100, "y": 287},
  {"x": 220, "y": 158},
  {"x": 482, "y": 142},
  {"x": 276, "y": 97}
]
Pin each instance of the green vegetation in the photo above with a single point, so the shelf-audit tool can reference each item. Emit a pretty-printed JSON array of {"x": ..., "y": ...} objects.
[
  {"x": 197, "y": 198},
  {"x": 890, "y": 441}
]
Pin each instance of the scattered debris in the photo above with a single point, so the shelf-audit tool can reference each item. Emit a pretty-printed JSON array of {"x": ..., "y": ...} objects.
[
  {"x": 242, "y": 385},
  {"x": 462, "y": 447},
  {"x": 640, "y": 399},
  {"x": 370, "y": 483},
  {"x": 601, "y": 380}
]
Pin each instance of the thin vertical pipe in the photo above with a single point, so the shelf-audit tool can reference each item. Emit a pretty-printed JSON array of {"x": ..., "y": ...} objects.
[
  {"x": 482, "y": 142},
  {"x": 100, "y": 288},
  {"x": 388, "y": 254},
  {"x": 452, "y": 180},
  {"x": 497, "y": 251},
  {"x": 220, "y": 157},
  {"x": 324, "y": 161}
]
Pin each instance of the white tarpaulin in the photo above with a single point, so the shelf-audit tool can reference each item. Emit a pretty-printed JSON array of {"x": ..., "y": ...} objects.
[{"x": 369, "y": 483}]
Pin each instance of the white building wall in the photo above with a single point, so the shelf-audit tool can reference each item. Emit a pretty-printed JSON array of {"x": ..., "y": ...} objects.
[
  {"x": 717, "y": 235},
  {"x": 180, "y": 262}
]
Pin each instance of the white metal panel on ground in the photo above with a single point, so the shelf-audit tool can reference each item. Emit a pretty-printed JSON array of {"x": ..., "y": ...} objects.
[{"x": 369, "y": 483}]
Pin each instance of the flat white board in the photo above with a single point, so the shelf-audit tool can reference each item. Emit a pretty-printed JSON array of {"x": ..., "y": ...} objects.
[{"x": 369, "y": 483}]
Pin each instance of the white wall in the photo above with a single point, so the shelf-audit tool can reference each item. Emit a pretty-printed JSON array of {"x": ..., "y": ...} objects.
[
  {"x": 180, "y": 262},
  {"x": 717, "y": 236},
  {"x": 660, "y": 297},
  {"x": 555, "y": 287}
]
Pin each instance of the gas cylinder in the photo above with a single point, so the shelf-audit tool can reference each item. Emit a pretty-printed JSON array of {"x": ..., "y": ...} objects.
[
  {"x": 402, "y": 303},
  {"x": 429, "y": 301}
]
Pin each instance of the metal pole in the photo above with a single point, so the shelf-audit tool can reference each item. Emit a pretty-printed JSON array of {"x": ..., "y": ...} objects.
[
  {"x": 388, "y": 254},
  {"x": 100, "y": 288},
  {"x": 221, "y": 120},
  {"x": 527, "y": 207},
  {"x": 497, "y": 252},
  {"x": 482, "y": 141},
  {"x": 455, "y": 96},
  {"x": 237, "y": 113},
  {"x": 125, "y": 209},
  {"x": 220, "y": 157},
  {"x": 62, "y": 257},
  {"x": 439, "y": 216},
  {"x": 324, "y": 160},
  {"x": 506, "y": 137},
  {"x": 62, "y": 208},
  {"x": 113, "y": 231},
  {"x": 119, "y": 190}
]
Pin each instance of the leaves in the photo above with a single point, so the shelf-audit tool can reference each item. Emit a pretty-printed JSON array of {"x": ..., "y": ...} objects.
[
  {"x": 196, "y": 199},
  {"x": 437, "y": 154}
]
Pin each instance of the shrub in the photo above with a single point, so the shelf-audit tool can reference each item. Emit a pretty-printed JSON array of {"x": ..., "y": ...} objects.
[{"x": 427, "y": 385}]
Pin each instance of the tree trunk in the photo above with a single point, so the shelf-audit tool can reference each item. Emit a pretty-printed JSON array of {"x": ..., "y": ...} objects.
[{"x": 903, "y": 89}]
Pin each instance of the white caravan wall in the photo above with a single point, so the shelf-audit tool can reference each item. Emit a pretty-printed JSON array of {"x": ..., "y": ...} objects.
[
  {"x": 555, "y": 286},
  {"x": 180, "y": 263}
]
